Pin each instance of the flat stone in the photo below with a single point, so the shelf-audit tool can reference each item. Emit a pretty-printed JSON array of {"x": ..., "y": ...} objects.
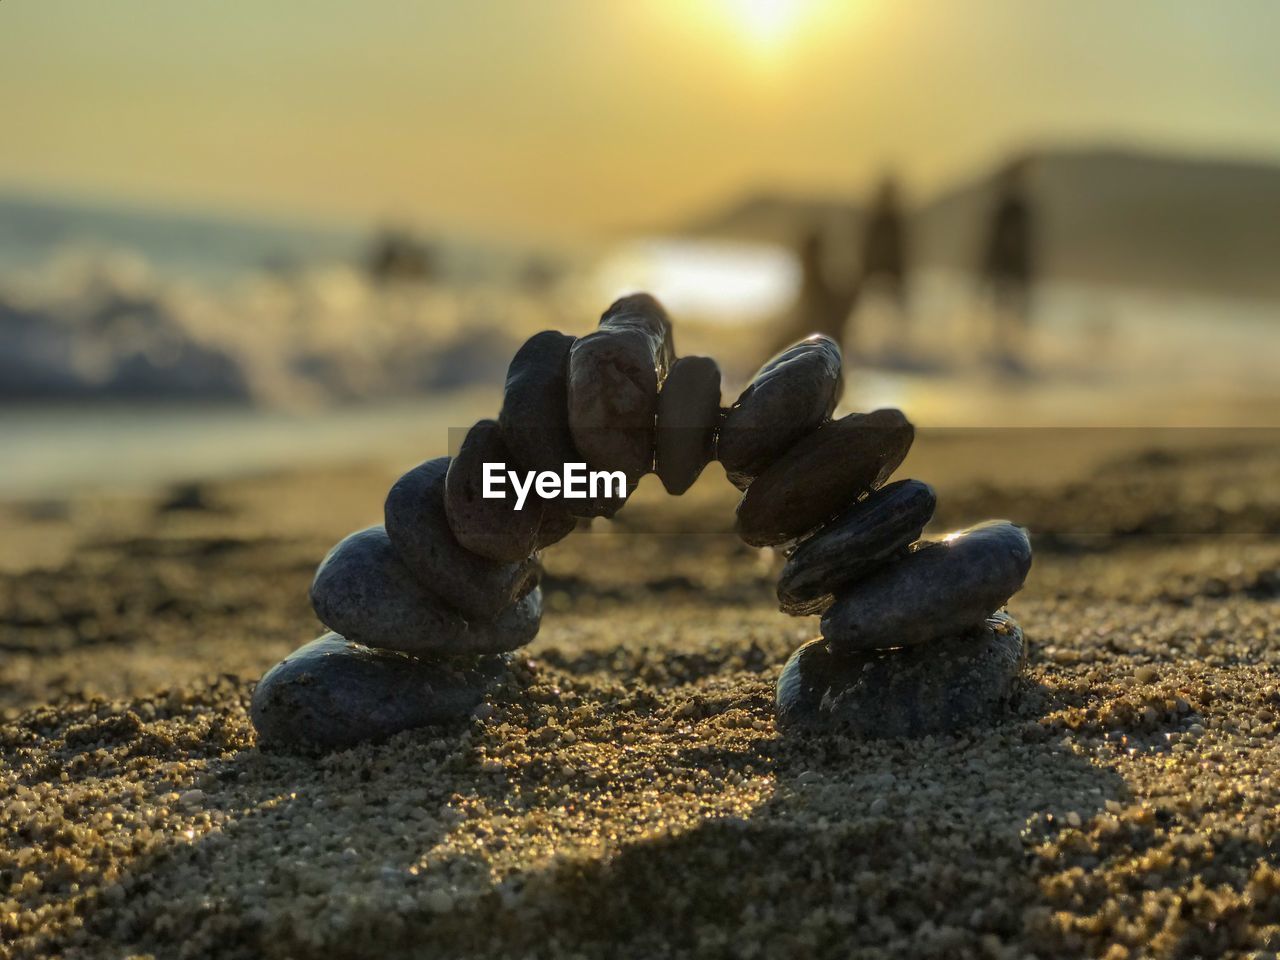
[
  {"x": 535, "y": 421},
  {"x": 787, "y": 399},
  {"x": 535, "y": 404},
  {"x": 614, "y": 375},
  {"x": 823, "y": 474},
  {"x": 862, "y": 539},
  {"x": 942, "y": 588},
  {"x": 688, "y": 415},
  {"x": 364, "y": 591},
  {"x": 955, "y": 683},
  {"x": 418, "y": 525},
  {"x": 331, "y": 694},
  {"x": 492, "y": 528},
  {"x": 643, "y": 314}
]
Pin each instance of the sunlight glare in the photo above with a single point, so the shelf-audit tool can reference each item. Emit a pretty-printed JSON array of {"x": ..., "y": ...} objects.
[
  {"x": 718, "y": 282},
  {"x": 766, "y": 24}
]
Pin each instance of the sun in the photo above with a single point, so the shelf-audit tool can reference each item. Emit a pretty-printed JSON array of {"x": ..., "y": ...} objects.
[{"x": 766, "y": 25}]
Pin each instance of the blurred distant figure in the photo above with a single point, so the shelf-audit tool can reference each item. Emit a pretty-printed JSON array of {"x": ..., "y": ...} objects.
[
  {"x": 1008, "y": 267},
  {"x": 821, "y": 306},
  {"x": 540, "y": 274},
  {"x": 884, "y": 255},
  {"x": 395, "y": 255}
]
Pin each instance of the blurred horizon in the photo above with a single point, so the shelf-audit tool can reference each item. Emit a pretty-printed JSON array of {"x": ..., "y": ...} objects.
[
  {"x": 696, "y": 218},
  {"x": 307, "y": 226}
]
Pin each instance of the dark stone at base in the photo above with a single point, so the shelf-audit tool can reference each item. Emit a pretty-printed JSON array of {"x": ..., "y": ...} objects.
[
  {"x": 417, "y": 524},
  {"x": 363, "y": 591},
  {"x": 787, "y": 399},
  {"x": 332, "y": 694},
  {"x": 822, "y": 475},
  {"x": 688, "y": 414},
  {"x": 907, "y": 692},
  {"x": 940, "y": 589},
  {"x": 490, "y": 527},
  {"x": 865, "y": 537}
]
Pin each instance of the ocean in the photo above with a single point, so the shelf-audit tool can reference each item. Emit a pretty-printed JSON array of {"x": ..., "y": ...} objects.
[{"x": 140, "y": 347}]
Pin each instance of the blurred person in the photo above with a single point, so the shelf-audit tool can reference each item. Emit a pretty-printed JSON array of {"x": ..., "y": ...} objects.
[
  {"x": 540, "y": 274},
  {"x": 396, "y": 255},
  {"x": 1008, "y": 265},
  {"x": 821, "y": 306},
  {"x": 884, "y": 253}
]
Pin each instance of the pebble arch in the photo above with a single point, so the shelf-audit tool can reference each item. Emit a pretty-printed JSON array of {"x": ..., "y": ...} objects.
[{"x": 382, "y": 676}]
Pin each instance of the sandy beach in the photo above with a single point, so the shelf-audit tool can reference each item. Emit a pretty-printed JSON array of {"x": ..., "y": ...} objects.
[
  {"x": 630, "y": 796},
  {"x": 994, "y": 267}
]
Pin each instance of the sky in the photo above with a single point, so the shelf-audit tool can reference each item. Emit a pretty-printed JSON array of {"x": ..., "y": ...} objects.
[{"x": 569, "y": 118}]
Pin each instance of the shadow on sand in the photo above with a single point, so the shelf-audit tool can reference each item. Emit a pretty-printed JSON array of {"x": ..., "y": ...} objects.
[{"x": 923, "y": 847}]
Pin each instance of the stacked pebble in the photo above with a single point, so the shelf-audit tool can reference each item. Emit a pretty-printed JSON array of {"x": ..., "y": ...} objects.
[
  {"x": 426, "y": 608},
  {"x": 913, "y": 640}
]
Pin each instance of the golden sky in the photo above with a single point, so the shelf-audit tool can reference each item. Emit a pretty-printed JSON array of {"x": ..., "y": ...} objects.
[{"x": 563, "y": 117}]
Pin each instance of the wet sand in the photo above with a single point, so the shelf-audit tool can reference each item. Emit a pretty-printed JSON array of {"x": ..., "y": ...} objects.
[{"x": 633, "y": 798}]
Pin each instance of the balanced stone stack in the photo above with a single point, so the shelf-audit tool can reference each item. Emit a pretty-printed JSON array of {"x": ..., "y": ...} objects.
[
  {"x": 913, "y": 638},
  {"x": 426, "y": 608}
]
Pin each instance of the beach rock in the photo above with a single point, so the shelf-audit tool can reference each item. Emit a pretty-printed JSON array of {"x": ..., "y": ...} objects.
[
  {"x": 643, "y": 314},
  {"x": 940, "y": 589},
  {"x": 906, "y": 692},
  {"x": 332, "y": 694},
  {"x": 688, "y": 414},
  {"x": 614, "y": 375},
  {"x": 789, "y": 397},
  {"x": 862, "y": 539},
  {"x": 535, "y": 421},
  {"x": 535, "y": 404},
  {"x": 492, "y": 528},
  {"x": 822, "y": 475},
  {"x": 364, "y": 591},
  {"x": 418, "y": 525}
]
